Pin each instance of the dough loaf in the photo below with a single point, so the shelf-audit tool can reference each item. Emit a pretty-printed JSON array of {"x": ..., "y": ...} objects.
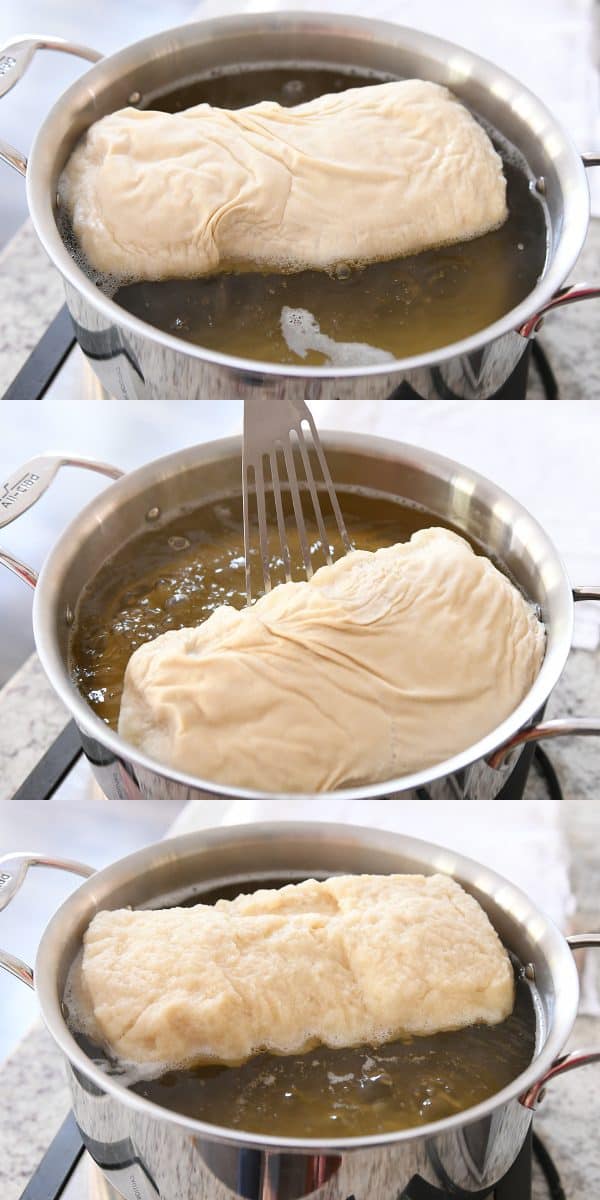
[
  {"x": 369, "y": 173},
  {"x": 357, "y": 958},
  {"x": 383, "y": 664}
]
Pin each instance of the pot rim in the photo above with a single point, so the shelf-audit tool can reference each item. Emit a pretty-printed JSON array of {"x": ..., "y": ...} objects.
[
  {"x": 93, "y": 726},
  {"x": 570, "y": 240},
  {"x": 506, "y": 895}
]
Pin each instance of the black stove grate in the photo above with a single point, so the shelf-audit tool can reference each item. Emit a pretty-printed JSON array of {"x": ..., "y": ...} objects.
[
  {"x": 45, "y": 360},
  {"x": 551, "y": 1175},
  {"x": 60, "y": 757},
  {"x": 65, "y": 1151},
  {"x": 57, "y": 1165}
]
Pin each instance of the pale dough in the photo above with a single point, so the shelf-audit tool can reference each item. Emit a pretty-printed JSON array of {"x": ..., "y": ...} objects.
[
  {"x": 383, "y": 664},
  {"x": 356, "y": 958},
  {"x": 369, "y": 173}
]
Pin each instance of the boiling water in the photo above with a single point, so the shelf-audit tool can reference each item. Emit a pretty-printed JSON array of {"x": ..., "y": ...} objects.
[
  {"x": 353, "y": 315},
  {"x": 178, "y": 573},
  {"x": 350, "y": 1092},
  {"x": 358, "y": 1091}
]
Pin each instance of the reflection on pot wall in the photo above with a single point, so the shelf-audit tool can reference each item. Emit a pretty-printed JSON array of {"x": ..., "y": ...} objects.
[
  {"x": 132, "y": 367},
  {"x": 124, "y": 780},
  {"x": 146, "y": 1158}
]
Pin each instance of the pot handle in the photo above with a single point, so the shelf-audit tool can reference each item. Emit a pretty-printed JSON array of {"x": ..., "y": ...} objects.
[
  {"x": 571, "y": 293},
  {"x": 15, "y": 58},
  {"x": 576, "y": 1058},
  {"x": 565, "y": 295},
  {"x": 560, "y": 727},
  {"x": 13, "y": 870},
  {"x": 25, "y": 488}
]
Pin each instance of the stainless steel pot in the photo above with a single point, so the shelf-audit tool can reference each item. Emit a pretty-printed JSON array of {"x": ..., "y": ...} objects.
[
  {"x": 157, "y": 491},
  {"x": 148, "y": 1152},
  {"x": 135, "y": 361}
]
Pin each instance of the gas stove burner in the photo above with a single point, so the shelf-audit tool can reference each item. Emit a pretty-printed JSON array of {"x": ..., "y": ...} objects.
[{"x": 67, "y": 1172}]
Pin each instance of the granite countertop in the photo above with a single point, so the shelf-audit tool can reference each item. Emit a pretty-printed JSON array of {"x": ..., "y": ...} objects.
[
  {"x": 567, "y": 1121},
  {"x": 31, "y": 294}
]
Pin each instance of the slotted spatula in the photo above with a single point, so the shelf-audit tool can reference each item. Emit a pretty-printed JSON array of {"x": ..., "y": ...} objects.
[{"x": 273, "y": 428}]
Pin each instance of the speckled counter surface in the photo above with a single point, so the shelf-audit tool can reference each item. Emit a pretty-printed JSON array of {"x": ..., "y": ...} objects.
[
  {"x": 35, "y": 1097},
  {"x": 576, "y": 759},
  {"x": 32, "y": 717},
  {"x": 31, "y": 295},
  {"x": 35, "y": 1103}
]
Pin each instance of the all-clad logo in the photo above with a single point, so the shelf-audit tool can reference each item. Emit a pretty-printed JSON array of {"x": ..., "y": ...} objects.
[
  {"x": 11, "y": 491},
  {"x": 7, "y": 62},
  {"x": 4, "y": 878},
  {"x": 134, "y": 1187}
]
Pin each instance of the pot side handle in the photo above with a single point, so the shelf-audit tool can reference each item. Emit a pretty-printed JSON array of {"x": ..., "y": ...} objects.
[
  {"x": 568, "y": 1062},
  {"x": 13, "y": 870},
  {"x": 570, "y": 294},
  {"x": 560, "y": 727},
  {"x": 26, "y": 486},
  {"x": 15, "y": 58},
  {"x": 576, "y": 1058}
]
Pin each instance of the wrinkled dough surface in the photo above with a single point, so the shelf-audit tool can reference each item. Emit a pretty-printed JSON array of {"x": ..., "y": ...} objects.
[
  {"x": 357, "y": 958},
  {"x": 383, "y": 664},
  {"x": 369, "y": 173}
]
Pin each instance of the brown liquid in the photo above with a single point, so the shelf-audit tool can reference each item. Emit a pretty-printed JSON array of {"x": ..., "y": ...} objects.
[
  {"x": 350, "y": 1092},
  {"x": 184, "y": 569},
  {"x": 404, "y": 306},
  {"x": 358, "y": 1091}
]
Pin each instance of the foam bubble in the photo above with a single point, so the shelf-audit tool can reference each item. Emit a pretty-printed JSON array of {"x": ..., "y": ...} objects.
[
  {"x": 82, "y": 1023},
  {"x": 302, "y": 332},
  {"x": 108, "y": 284}
]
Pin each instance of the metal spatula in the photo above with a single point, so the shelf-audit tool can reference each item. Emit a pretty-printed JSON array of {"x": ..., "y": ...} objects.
[{"x": 273, "y": 429}]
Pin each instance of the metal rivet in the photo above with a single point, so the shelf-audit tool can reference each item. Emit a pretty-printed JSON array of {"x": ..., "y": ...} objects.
[
  {"x": 135, "y": 98},
  {"x": 68, "y": 615},
  {"x": 153, "y": 514},
  {"x": 530, "y": 972},
  {"x": 540, "y": 185}
]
